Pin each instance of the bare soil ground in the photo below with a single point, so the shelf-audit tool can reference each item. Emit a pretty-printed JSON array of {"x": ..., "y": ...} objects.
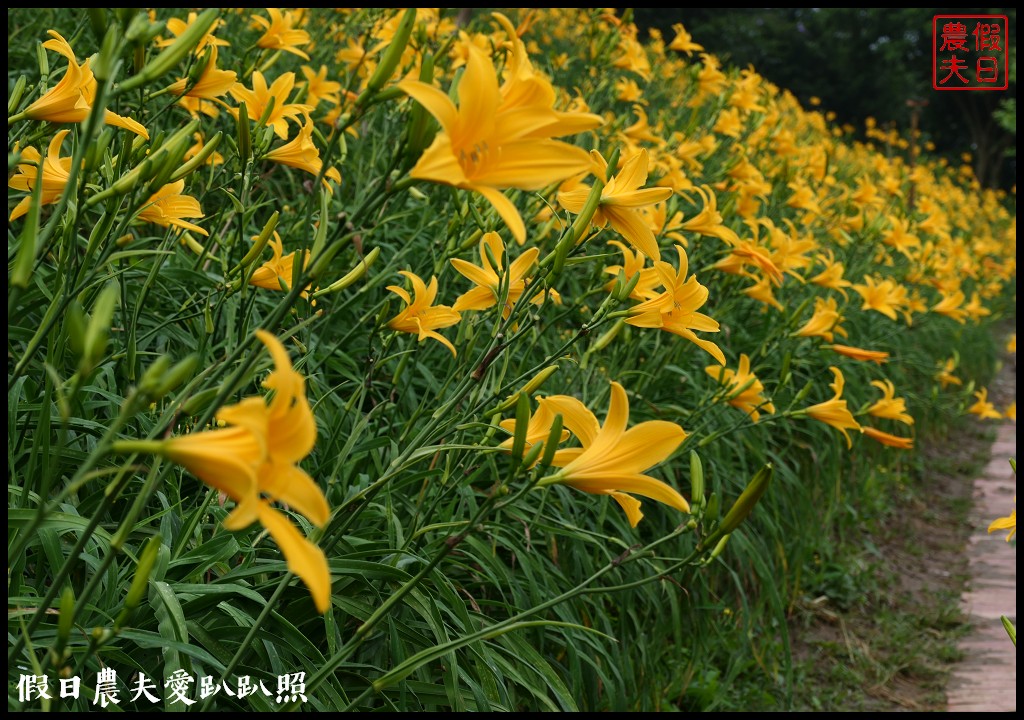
[{"x": 895, "y": 648}]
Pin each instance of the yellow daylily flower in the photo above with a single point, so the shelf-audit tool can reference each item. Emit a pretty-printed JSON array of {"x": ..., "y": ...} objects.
[
  {"x": 499, "y": 138},
  {"x": 983, "y": 408},
  {"x": 883, "y": 296},
  {"x": 832, "y": 276},
  {"x": 950, "y": 306},
  {"x": 945, "y": 374},
  {"x": 683, "y": 41},
  {"x": 612, "y": 459},
  {"x": 212, "y": 84},
  {"x": 890, "y": 406},
  {"x": 71, "y": 99},
  {"x": 276, "y": 273},
  {"x": 633, "y": 263},
  {"x": 825, "y": 322},
  {"x": 622, "y": 199},
  {"x": 55, "y": 174},
  {"x": 675, "y": 309},
  {"x": 420, "y": 316},
  {"x": 709, "y": 221},
  {"x": 176, "y": 26},
  {"x": 903, "y": 443},
  {"x": 876, "y": 356},
  {"x": 258, "y": 99},
  {"x": 303, "y": 154},
  {"x": 1006, "y": 523},
  {"x": 834, "y": 412},
  {"x": 280, "y": 32},
  {"x": 318, "y": 87},
  {"x": 253, "y": 462},
  {"x": 489, "y": 280},
  {"x": 743, "y": 388},
  {"x": 167, "y": 207}
]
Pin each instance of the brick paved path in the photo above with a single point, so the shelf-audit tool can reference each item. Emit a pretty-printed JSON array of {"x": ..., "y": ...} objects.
[{"x": 986, "y": 679}]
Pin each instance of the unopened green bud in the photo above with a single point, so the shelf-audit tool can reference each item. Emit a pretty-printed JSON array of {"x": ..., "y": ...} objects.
[
  {"x": 198, "y": 402},
  {"x": 606, "y": 338},
  {"x": 98, "y": 330},
  {"x": 554, "y": 438},
  {"x": 696, "y": 481},
  {"x": 613, "y": 164},
  {"x": 106, "y": 61},
  {"x": 354, "y": 274},
  {"x": 713, "y": 508},
  {"x": 747, "y": 500},
  {"x": 257, "y": 247},
  {"x": 15, "y": 95},
  {"x": 174, "y": 53},
  {"x": 199, "y": 158},
  {"x": 391, "y": 57},
  {"x": 522, "y": 422},
  {"x": 153, "y": 376},
  {"x": 140, "y": 583},
  {"x": 182, "y": 371},
  {"x": 719, "y": 547},
  {"x": 532, "y": 386}
]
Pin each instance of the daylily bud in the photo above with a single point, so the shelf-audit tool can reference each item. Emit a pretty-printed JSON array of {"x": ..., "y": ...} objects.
[
  {"x": 106, "y": 63},
  {"x": 719, "y": 547},
  {"x": 354, "y": 274},
  {"x": 522, "y": 420},
  {"x": 174, "y": 53},
  {"x": 613, "y": 163},
  {"x": 140, "y": 583},
  {"x": 606, "y": 338},
  {"x": 532, "y": 386},
  {"x": 389, "y": 61},
  {"x": 98, "y": 329},
  {"x": 696, "y": 481},
  {"x": 199, "y": 158},
  {"x": 257, "y": 247},
  {"x": 183, "y": 370},
  {"x": 244, "y": 140},
  {"x": 16, "y": 92},
  {"x": 198, "y": 402},
  {"x": 746, "y": 501},
  {"x": 622, "y": 293},
  {"x": 551, "y": 444}
]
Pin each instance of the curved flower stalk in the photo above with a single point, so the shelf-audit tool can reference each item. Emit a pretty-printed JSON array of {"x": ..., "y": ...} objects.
[{"x": 420, "y": 316}]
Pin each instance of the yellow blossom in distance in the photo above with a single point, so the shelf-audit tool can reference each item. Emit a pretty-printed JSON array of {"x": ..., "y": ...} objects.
[
  {"x": 834, "y": 412},
  {"x": 258, "y": 99},
  {"x": 743, "y": 388},
  {"x": 876, "y": 356},
  {"x": 489, "y": 280},
  {"x": 983, "y": 408},
  {"x": 254, "y": 461},
  {"x": 902, "y": 443},
  {"x": 55, "y": 174},
  {"x": 945, "y": 374},
  {"x": 176, "y": 26},
  {"x": 890, "y": 406},
  {"x": 622, "y": 199},
  {"x": 420, "y": 316},
  {"x": 280, "y": 32},
  {"x": 612, "y": 459},
  {"x": 1006, "y": 523},
  {"x": 303, "y": 154},
  {"x": 168, "y": 207},
  {"x": 683, "y": 42},
  {"x": 825, "y": 322}
]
